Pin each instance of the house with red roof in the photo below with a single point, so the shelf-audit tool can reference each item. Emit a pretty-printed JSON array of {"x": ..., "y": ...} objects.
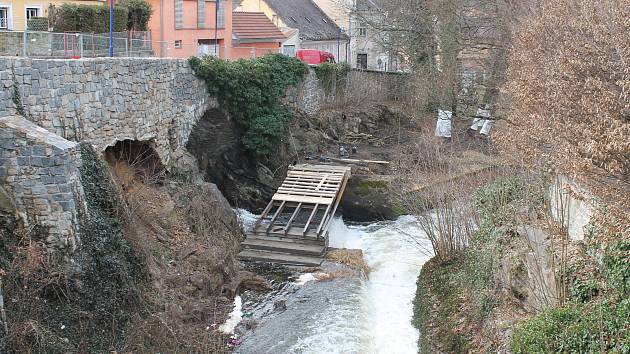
[{"x": 254, "y": 35}]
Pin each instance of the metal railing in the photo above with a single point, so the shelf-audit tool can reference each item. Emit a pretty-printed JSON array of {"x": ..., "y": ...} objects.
[{"x": 41, "y": 44}]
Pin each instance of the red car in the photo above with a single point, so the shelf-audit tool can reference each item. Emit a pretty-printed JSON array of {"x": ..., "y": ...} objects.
[{"x": 314, "y": 57}]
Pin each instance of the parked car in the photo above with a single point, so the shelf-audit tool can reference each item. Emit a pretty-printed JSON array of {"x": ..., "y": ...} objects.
[{"x": 314, "y": 57}]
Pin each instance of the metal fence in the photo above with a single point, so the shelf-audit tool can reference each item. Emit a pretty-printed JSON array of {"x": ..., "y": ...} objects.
[{"x": 43, "y": 44}]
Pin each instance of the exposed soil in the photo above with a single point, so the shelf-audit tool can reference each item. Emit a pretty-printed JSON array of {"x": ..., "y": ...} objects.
[{"x": 190, "y": 237}]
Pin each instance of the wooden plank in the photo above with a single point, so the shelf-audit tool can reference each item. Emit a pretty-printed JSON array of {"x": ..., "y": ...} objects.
[
  {"x": 296, "y": 248},
  {"x": 281, "y": 258},
  {"x": 321, "y": 223},
  {"x": 308, "y": 223},
  {"x": 275, "y": 216},
  {"x": 314, "y": 177},
  {"x": 296, "y": 191},
  {"x": 322, "y": 182},
  {"x": 341, "y": 190},
  {"x": 325, "y": 184},
  {"x": 360, "y": 161},
  {"x": 303, "y": 199},
  {"x": 295, "y": 213},
  {"x": 264, "y": 214}
]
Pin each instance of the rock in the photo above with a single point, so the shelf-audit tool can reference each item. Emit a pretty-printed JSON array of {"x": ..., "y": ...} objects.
[
  {"x": 6, "y": 204},
  {"x": 280, "y": 305},
  {"x": 367, "y": 200}
]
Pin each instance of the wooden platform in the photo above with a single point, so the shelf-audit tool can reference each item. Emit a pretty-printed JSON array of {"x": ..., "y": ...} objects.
[{"x": 293, "y": 228}]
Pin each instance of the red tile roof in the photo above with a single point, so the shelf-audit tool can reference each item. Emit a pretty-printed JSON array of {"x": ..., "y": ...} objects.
[{"x": 255, "y": 25}]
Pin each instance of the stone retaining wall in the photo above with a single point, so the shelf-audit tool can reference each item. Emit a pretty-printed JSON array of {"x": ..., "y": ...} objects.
[
  {"x": 39, "y": 172},
  {"x": 104, "y": 100}
]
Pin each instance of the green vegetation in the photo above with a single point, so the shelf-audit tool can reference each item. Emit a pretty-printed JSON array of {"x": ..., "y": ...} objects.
[
  {"x": 139, "y": 12},
  {"x": 87, "y": 18},
  {"x": 461, "y": 293},
  {"x": 368, "y": 186},
  {"x": 597, "y": 317},
  {"x": 80, "y": 301},
  {"x": 332, "y": 76},
  {"x": 437, "y": 299},
  {"x": 250, "y": 91}
]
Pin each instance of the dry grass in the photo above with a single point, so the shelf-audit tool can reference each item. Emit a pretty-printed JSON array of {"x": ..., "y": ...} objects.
[{"x": 349, "y": 257}]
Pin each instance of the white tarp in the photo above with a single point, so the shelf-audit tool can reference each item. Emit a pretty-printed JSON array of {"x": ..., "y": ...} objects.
[
  {"x": 444, "y": 124},
  {"x": 487, "y": 126},
  {"x": 482, "y": 121}
]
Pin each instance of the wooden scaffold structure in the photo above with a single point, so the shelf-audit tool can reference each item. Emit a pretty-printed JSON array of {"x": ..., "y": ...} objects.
[{"x": 293, "y": 228}]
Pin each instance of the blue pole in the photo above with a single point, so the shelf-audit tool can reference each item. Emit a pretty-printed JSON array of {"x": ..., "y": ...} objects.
[{"x": 111, "y": 28}]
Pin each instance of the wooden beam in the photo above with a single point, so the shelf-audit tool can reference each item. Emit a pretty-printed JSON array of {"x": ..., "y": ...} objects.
[
  {"x": 341, "y": 190},
  {"x": 295, "y": 213},
  {"x": 321, "y": 223},
  {"x": 264, "y": 214},
  {"x": 361, "y": 161},
  {"x": 304, "y": 199},
  {"x": 275, "y": 216},
  {"x": 308, "y": 223}
]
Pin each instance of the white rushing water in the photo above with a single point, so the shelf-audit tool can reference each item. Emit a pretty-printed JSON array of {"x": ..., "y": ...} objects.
[
  {"x": 374, "y": 316},
  {"x": 378, "y": 320}
]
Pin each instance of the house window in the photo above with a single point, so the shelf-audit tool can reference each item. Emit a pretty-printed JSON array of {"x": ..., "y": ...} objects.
[
  {"x": 32, "y": 12},
  {"x": 362, "y": 61},
  {"x": 4, "y": 17},
  {"x": 288, "y": 50},
  {"x": 178, "y": 44},
  {"x": 362, "y": 29}
]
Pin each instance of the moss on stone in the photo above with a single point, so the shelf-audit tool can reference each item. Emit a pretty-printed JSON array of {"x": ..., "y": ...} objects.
[
  {"x": 367, "y": 187},
  {"x": 437, "y": 299}
]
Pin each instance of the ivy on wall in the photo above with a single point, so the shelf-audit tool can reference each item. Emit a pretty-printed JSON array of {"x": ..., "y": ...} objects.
[
  {"x": 250, "y": 91},
  {"x": 332, "y": 76}
]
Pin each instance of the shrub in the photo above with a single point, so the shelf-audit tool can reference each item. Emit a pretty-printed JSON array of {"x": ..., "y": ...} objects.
[
  {"x": 332, "y": 76},
  {"x": 576, "y": 328},
  {"x": 139, "y": 14},
  {"x": 596, "y": 320},
  {"x": 88, "y": 18},
  {"x": 250, "y": 91},
  {"x": 568, "y": 84}
]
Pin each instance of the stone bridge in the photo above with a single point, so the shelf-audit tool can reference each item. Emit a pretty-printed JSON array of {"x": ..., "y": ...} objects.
[{"x": 47, "y": 106}]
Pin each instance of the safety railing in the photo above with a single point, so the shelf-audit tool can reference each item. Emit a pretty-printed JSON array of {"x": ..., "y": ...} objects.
[{"x": 41, "y": 44}]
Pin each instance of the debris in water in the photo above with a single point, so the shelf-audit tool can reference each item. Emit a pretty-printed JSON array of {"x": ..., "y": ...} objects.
[{"x": 305, "y": 278}]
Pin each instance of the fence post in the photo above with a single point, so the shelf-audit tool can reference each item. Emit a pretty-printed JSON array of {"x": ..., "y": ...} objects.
[
  {"x": 24, "y": 42},
  {"x": 126, "y": 47},
  {"x": 81, "y": 45}
]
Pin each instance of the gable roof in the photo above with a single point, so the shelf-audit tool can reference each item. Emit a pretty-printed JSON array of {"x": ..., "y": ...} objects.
[
  {"x": 255, "y": 25},
  {"x": 310, "y": 19}
]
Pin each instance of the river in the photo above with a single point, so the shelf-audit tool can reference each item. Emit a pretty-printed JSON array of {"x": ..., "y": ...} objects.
[{"x": 349, "y": 315}]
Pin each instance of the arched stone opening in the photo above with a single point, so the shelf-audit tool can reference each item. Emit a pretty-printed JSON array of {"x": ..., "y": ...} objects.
[{"x": 133, "y": 160}]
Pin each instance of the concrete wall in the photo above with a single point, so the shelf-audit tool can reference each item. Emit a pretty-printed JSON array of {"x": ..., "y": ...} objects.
[
  {"x": 39, "y": 172},
  {"x": 104, "y": 100}
]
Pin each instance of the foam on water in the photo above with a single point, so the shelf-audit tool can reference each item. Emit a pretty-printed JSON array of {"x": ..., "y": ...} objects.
[
  {"x": 375, "y": 315},
  {"x": 378, "y": 320}
]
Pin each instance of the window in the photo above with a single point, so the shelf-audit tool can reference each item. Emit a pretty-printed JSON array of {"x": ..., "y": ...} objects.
[
  {"x": 288, "y": 50},
  {"x": 362, "y": 61},
  {"x": 32, "y": 12},
  {"x": 4, "y": 17},
  {"x": 362, "y": 29},
  {"x": 178, "y": 44}
]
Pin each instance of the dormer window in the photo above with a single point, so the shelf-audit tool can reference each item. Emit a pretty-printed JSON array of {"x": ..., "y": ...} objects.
[
  {"x": 292, "y": 18},
  {"x": 323, "y": 19},
  {"x": 307, "y": 19}
]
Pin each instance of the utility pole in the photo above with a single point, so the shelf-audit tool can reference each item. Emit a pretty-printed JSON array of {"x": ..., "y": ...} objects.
[
  {"x": 111, "y": 28},
  {"x": 216, "y": 28}
]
